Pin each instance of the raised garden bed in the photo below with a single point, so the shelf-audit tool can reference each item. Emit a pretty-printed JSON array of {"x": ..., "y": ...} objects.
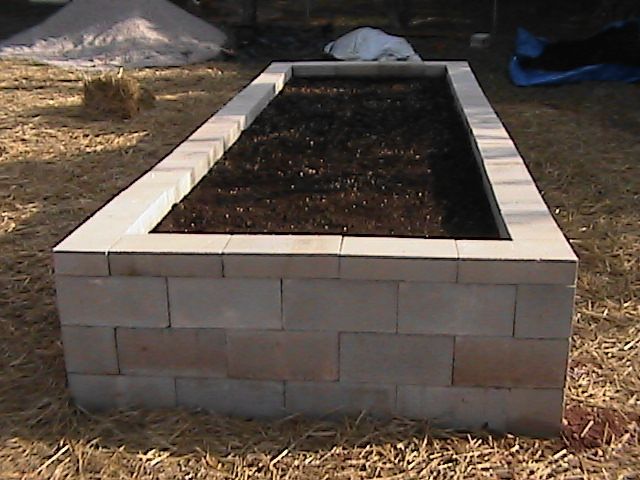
[{"x": 466, "y": 332}]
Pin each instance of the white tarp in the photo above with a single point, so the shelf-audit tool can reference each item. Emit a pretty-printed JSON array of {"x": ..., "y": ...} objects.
[
  {"x": 371, "y": 44},
  {"x": 118, "y": 33}
]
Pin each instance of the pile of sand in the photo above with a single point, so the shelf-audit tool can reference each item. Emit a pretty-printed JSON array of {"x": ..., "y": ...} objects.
[{"x": 117, "y": 33}]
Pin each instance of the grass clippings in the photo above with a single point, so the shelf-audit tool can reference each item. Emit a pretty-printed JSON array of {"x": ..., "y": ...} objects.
[{"x": 57, "y": 167}]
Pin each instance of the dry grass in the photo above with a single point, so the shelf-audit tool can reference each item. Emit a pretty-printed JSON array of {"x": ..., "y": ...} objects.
[
  {"x": 115, "y": 94},
  {"x": 57, "y": 167}
]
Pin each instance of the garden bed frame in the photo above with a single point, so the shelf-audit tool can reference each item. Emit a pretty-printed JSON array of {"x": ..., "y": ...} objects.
[{"x": 469, "y": 334}]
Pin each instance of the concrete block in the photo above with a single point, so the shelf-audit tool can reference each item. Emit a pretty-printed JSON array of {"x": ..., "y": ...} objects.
[
  {"x": 167, "y": 264},
  {"x": 522, "y": 192},
  {"x": 402, "y": 269},
  {"x": 217, "y": 128},
  {"x": 195, "y": 157},
  {"x": 174, "y": 183},
  {"x": 277, "y": 73},
  {"x": 544, "y": 311},
  {"x": 515, "y": 173},
  {"x": 280, "y": 266},
  {"x": 314, "y": 69},
  {"x": 396, "y": 359},
  {"x": 510, "y": 362},
  {"x": 225, "y": 303},
  {"x": 456, "y": 309},
  {"x": 357, "y": 69},
  {"x": 471, "y": 409},
  {"x": 95, "y": 236},
  {"x": 283, "y": 245},
  {"x": 526, "y": 224},
  {"x": 550, "y": 250},
  {"x": 81, "y": 263},
  {"x": 333, "y": 399},
  {"x": 535, "y": 412},
  {"x": 514, "y": 272},
  {"x": 112, "y": 301},
  {"x": 172, "y": 352},
  {"x": 168, "y": 255},
  {"x": 278, "y": 80},
  {"x": 102, "y": 392},
  {"x": 90, "y": 350},
  {"x": 248, "y": 104},
  {"x": 339, "y": 305},
  {"x": 269, "y": 355},
  {"x": 434, "y": 69},
  {"x": 404, "y": 69},
  {"x": 244, "y": 398},
  {"x": 409, "y": 259},
  {"x": 282, "y": 256},
  {"x": 280, "y": 67},
  {"x": 141, "y": 206},
  {"x": 546, "y": 261}
]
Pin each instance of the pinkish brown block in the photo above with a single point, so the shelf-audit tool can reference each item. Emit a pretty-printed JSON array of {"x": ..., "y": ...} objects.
[
  {"x": 269, "y": 355},
  {"x": 172, "y": 352},
  {"x": 510, "y": 362}
]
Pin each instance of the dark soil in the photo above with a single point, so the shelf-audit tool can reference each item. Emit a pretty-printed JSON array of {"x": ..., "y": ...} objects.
[{"x": 344, "y": 156}]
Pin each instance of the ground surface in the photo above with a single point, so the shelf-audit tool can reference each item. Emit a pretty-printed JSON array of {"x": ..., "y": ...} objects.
[
  {"x": 388, "y": 157},
  {"x": 58, "y": 166}
]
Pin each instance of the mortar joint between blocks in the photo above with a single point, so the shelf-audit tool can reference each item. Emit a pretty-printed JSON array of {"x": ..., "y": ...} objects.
[
  {"x": 458, "y": 260},
  {"x": 396, "y": 406},
  {"x": 282, "y": 325},
  {"x": 115, "y": 343},
  {"x": 453, "y": 361},
  {"x": 515, "y": 312},
  {"x": 166, "y": 288},
  {"x": 340, "y": 257},
  {"x": 397, "y": 307},
  {"x": 285, "y": 386},
  {"x": 222, "y": 262}
]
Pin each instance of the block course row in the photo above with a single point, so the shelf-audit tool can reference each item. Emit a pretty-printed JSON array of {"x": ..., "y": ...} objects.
[
  {"x": 526, "y": 311},
  {"x": 262, "y": 256},
  {"x": 529, "y": 411},
  {"x": 436, "y": 360}
]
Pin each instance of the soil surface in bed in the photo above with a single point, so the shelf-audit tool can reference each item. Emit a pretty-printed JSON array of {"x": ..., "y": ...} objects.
[{"x": 346, "y": 156}]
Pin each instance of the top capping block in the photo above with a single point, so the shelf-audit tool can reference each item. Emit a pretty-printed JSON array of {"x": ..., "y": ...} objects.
[
  {"x": 534, "y": 235},
  {"x": 399, "y": 248},
  {"x": 373, "y": 69}
]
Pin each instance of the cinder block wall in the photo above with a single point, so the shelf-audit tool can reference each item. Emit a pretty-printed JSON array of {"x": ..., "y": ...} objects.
[{"x": 464, "y": 355}]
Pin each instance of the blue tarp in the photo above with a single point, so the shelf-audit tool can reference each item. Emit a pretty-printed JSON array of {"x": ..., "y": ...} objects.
[{"x": 528, "y": 45}]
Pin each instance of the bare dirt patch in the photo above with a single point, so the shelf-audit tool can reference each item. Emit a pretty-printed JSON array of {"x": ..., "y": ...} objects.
[{"x": 586, "y": 428}]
